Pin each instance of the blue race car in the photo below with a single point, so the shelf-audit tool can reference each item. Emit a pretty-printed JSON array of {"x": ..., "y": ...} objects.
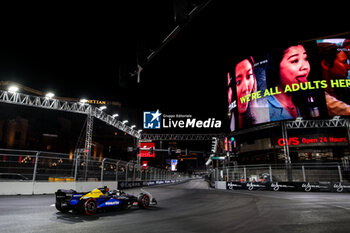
[{"x": 98, "y": 199}]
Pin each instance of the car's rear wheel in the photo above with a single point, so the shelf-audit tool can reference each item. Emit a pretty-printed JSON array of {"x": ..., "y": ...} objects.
[{"x": 90, "y": 206}]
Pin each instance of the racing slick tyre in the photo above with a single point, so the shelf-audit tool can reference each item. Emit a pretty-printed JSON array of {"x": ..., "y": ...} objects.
[
  {"x": 89, "y": 206},
  {"x": 143, "y": 201}
]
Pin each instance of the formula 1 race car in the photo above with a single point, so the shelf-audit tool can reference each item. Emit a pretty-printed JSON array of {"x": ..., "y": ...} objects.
[{"x": 99, "y": 199}]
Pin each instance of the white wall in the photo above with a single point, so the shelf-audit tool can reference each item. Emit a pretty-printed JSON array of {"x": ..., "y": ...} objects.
[
  {"x": 13, "y": 188},
  {"x": 220, "y": 184},
  {"x": 28, "y": 188}
]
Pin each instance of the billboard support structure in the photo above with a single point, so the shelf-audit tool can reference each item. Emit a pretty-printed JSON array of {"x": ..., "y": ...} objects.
[
  {"x": 286, "y": 151},
  {"x": 285, "y": 145},
  {"x": 88, "y": 140}
]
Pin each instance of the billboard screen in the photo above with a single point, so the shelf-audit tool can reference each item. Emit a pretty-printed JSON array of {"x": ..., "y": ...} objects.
[
  {"x": 174, "y": 165},
  {"x": 145, "y": 151},
  {"x": 308, "y": 80}
]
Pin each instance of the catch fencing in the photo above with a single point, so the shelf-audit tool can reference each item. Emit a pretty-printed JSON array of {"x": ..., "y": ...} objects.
[
  {"x": 40, "y": 166},
  {"x": 312, "y": 172}
]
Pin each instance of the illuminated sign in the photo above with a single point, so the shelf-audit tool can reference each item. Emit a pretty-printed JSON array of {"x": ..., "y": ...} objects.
[
  {"x": 174, "y": 165},
  {"x": 294, "y": 141},
  {"x": 147, "y": 149},
  {"x": 103, "y": 102},
  {"x": 144, "y": 165},
  {"x": 230, "y": 143}
]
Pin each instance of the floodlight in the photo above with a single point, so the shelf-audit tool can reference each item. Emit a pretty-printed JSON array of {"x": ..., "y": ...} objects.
[
  {"x": 49, "y": 95},
  {"x": 13, "y": 89}
]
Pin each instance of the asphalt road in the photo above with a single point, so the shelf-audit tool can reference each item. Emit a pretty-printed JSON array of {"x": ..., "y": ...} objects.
[{"x": 189, "y": 207}]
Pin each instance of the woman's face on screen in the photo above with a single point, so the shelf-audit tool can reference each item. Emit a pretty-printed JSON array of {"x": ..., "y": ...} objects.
[
  {"x": 245, "y": 81},
  {"x": 294, "y": 67}
]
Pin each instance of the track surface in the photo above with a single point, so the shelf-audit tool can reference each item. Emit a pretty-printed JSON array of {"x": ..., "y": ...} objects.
[{"x": 189, "y": 207}]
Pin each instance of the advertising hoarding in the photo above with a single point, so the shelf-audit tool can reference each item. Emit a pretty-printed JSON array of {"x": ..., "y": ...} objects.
[{"x": 308, "y": 80}]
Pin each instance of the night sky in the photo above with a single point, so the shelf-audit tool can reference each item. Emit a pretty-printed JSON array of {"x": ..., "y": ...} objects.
[{"x": 77, "y": 50}]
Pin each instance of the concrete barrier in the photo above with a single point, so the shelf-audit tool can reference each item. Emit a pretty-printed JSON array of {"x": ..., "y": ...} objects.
[
  {"x": 220, "y": 184},
  {"x": 14, "y": 188},
  {"x": 29, "y": 188},
  {"x": 46, "y": 187}
]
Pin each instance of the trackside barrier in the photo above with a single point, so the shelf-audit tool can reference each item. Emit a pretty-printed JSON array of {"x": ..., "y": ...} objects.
[
  {"x": 291, "y": 186},
  {"x": 126, "y": 185},
  {"x": 29, "y": 188},
  {"x": 331, "y": 177},
  {"x": 38, "y": 172}
]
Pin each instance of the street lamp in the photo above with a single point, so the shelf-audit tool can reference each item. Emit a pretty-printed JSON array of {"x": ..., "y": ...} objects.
[
  {"x": 102, "y": 108},
  {"x": 124, "y": 122},
  {"x": 115, "y": 115},
  {"x": 84, "y": 101},
  {"x": 133, "y": 126},
  {"x": 139, "y": 131}
]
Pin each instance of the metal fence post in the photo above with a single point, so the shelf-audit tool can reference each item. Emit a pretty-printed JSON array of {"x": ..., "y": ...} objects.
[
  {"x": 227, "y": 174},
  {"x": 270, "y": 171},
  {"x": 340, "y": 175},
  {"x": 245, "y": 173},
  {"x": 133, "y": 175},
  {"x": 35, "y": 168},
  {"x": 35, "y": 165},
  {"x": 117, "y": 170},
  {"x": 303, "y": 170},
  {"x": 76, "y": 168},
  {"x": 126, "y": 171},
  {"x": 102, "y": 168}
]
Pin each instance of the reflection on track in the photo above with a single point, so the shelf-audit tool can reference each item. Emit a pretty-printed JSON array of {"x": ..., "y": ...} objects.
[{"x": 74, "y": 217}]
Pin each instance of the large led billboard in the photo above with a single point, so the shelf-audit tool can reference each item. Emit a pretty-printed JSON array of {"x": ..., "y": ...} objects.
[{"x": 308, "y": 80}]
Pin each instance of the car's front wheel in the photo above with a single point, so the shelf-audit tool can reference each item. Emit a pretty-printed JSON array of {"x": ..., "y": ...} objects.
[{"x": 143, "y": 201}]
